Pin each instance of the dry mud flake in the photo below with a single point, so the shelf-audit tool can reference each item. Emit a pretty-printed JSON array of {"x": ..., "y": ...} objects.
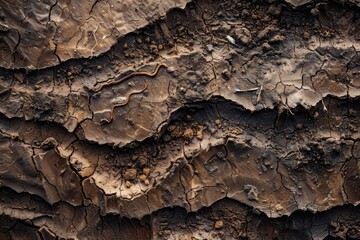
[{"x": 179, "y": 119}]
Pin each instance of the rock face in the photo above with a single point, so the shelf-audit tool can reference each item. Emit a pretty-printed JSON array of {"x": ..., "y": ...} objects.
[{"x": 179, "y": 120}]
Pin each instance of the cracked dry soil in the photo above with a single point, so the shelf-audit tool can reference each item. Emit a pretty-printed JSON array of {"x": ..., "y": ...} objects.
[{"x": 179, "y": 119}]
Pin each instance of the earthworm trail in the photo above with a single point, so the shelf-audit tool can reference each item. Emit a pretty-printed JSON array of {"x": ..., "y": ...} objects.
[
  {"x": 104, "y": 120},
  {"x": 130, "y": 76}
]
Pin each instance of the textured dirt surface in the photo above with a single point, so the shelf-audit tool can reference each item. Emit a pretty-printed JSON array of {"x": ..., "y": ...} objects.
[{"x": 179, "y": 119}]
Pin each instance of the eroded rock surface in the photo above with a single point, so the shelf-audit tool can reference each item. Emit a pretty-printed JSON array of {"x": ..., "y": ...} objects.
[{"x": 206, "y": 120}]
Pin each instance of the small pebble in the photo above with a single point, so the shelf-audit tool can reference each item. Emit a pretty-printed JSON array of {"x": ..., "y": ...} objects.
[{"x": 219, "y": 224}]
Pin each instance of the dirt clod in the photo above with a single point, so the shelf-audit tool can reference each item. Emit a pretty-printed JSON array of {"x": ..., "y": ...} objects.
[
  {"x": 128, "y": 184},
  {"x": 146, "y": 171},
  {"x": 218, "y": 123},
  {"x": 142, "y": 177},
  {"x": 130, "y": 174},
  {"x": 188, "y": 133}
]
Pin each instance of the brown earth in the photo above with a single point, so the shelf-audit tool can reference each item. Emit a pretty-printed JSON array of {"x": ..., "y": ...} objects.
[{"x": 179, "y": 119}]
